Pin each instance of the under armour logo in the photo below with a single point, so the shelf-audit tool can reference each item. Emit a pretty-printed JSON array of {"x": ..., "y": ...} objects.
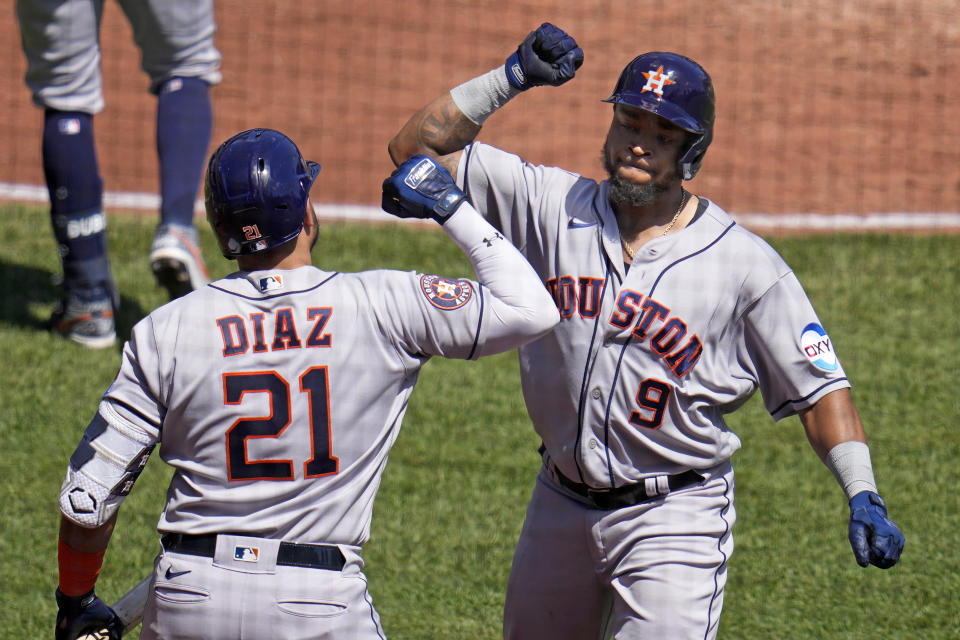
[
  {"x": 656, "y": 81},
  {"x": 496, "y": 236}
]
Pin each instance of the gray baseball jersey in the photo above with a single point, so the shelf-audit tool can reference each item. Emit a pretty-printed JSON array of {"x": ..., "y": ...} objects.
[
  {"x": 631, "y": 388},
  {"x": 62, "y": 45},
  {"x": 650, "y": 358},
  {"x": 276, "y": 396}
]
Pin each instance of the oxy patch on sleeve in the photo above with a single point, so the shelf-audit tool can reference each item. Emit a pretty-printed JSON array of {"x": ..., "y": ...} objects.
[
  {"x": 818, "y": 348},
  {"x": 444, "y": 293}
]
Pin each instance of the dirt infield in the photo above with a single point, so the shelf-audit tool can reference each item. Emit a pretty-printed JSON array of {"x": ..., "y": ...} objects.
[{"x": 823, "y": 106}]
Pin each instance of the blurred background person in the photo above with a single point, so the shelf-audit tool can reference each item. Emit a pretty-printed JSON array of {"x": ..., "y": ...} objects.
[{"x": 62, "y": 46}]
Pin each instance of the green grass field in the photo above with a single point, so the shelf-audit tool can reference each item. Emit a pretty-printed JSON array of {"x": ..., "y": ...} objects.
[{"x": 455, "y": 490}]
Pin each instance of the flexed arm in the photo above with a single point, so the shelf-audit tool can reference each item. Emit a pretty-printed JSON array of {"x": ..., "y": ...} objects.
[
  {"x": 521, "y": 308},
  {"x": 439, "y": 129},
  {"x": 547, "y": 56}
]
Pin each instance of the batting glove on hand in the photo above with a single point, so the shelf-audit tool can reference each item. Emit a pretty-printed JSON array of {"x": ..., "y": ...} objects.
[
  {"x": 421, "y": 188},
  {"x": 547, "y": 56},
  {"x": 874, "y": 537},
  {"x": 86, "y": 614}
]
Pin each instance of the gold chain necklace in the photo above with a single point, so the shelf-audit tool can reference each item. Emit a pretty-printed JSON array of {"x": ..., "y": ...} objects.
[{"x": 666, "y": 230}]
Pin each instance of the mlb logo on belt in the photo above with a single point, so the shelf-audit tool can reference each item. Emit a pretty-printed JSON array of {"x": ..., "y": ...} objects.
[{"x": 246, "y": 554}]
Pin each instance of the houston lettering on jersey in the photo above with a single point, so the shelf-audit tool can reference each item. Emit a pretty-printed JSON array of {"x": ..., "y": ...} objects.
[
  {"x": 649, "y": 318},
  {"x": 576, "y": 295},
  {"x": 277, "y": 333}
]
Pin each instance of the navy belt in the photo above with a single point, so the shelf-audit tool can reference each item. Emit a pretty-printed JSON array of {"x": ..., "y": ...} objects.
[
  {"x": 627, "y": 495},
  {"x": 290, "y": 554}
]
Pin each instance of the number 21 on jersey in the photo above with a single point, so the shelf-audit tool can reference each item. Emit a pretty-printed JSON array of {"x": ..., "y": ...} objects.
[{"x": 315, "y": 383}]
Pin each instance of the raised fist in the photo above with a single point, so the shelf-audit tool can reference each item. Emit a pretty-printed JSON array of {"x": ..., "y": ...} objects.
[
  {"x": 421, "y": 188},
  {"x": 547, "y": 56}
]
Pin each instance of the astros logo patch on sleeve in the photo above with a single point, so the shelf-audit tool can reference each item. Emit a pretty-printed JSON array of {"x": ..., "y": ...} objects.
[
  {"x": 444, "y": 293},
  {"x": 816, "y": 345}
]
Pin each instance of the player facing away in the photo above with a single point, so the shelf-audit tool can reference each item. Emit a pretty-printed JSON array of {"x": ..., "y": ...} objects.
[
  {"x": 275, "y": 394},
  {"x": 62, "y": 45},
  {"x": 672, "y": 315}
]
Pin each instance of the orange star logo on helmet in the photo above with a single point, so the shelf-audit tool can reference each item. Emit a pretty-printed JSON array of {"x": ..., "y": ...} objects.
[{"x": 656, "y": 81}]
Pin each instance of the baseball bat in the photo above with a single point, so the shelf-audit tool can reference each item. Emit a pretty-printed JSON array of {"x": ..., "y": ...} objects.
[{"x": 129, "y": 607}]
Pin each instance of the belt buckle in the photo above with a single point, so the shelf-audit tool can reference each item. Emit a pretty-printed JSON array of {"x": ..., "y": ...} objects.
[
  {"x": 605, "y": 499},
  {"x": 601, "y": 492}
]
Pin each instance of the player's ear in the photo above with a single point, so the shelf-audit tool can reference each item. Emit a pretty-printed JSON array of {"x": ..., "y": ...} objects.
[
  {"x": 311, "y": 226},
  {"x": 309, "y": 217}
]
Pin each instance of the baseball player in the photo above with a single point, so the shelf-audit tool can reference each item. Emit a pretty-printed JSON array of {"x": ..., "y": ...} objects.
[
  {"x": 275, "y": 394},
  {"x": 62, "y": 45},
  {"x": 672, "y": 315}
]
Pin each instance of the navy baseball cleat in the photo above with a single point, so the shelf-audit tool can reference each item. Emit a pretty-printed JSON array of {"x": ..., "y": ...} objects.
[
  {"x": 176, "y": 260},
  {"x": 87, "y": 317}
]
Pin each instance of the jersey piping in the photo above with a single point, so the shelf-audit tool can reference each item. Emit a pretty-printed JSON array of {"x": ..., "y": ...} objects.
[
  {"x": 591, "y": 353},
  {"x": 626, "y": 344},
  {"x": 687, "y": 257},
  {"x": 717, "y": 589},
  {"x": 276, "y": 295},
  {"x": 784, "y": 404},
  {"x": 476, "y": 337}
]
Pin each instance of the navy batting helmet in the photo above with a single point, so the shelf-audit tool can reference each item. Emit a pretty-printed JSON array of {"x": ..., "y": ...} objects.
[
  {"x": 256, "y": 191},
  {"x": 678, "y": 89}
]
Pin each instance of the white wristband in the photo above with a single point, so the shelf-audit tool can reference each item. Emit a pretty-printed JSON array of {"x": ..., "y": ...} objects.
[
  {"x": 850, "y": 464},
  {"x": 480, "y": 97}
]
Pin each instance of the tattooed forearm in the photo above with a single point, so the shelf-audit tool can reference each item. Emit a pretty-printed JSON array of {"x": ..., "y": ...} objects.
[
  {"x": 439, "y": 129},
  {"x": 445, "y": 129}
]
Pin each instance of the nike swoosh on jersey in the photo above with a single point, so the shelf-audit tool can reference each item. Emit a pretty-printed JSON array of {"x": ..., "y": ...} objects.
[
  {"x": 170, "y": 574},
  {"x": 577, "y": 223}
]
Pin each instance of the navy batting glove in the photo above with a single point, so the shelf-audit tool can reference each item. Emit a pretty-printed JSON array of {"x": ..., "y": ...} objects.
[
  {"x": 874, "y": 537},
  {"x": 86, "y": 614},
  {"x": 547, "y": 56},
  {"x": 421, "y": 188}
]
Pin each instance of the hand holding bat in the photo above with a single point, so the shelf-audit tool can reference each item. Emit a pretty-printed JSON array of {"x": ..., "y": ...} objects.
[{"x": 87, "y": 617}]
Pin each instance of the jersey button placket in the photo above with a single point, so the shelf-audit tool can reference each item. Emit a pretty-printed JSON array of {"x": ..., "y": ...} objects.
[{"x": 596, "y": 394}]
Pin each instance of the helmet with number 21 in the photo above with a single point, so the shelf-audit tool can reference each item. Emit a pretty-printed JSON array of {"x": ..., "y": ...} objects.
[{"x": 256, "y": 191}]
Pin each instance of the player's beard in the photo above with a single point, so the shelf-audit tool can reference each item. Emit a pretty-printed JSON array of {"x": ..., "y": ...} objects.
[{"x": 624, "y": 192}]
